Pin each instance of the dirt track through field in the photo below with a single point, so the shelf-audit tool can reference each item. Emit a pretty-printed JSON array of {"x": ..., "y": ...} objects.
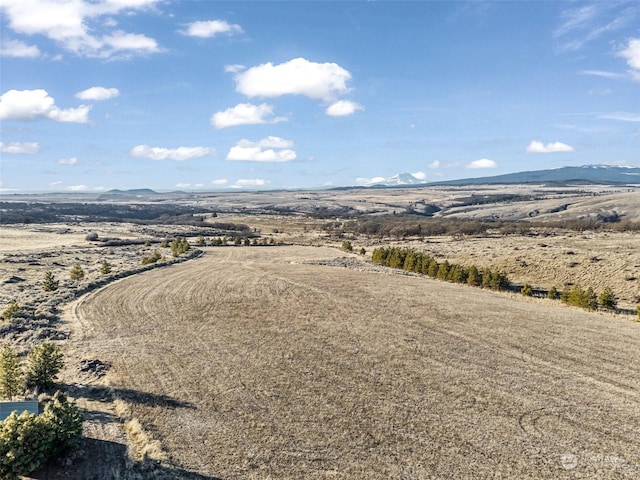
[{"x": 250, "y": 363}]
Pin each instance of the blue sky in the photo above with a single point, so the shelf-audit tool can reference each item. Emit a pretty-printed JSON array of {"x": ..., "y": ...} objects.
[{"x": 204, "y": 95}]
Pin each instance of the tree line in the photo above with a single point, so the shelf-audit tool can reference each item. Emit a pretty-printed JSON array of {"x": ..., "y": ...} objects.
[{"x": 419, "y": 262}]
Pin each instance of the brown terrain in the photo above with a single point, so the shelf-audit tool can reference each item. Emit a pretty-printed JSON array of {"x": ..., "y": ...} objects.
[{"x": 305, "y": 361}]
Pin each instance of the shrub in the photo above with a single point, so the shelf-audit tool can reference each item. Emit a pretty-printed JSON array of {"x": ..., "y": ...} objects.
[
  {"x": 638, "y": 311},
  {"x": 65, "y": 421},
  {"x": 179, "y": 246},
  {"x": 50, "y": 282},
  {"x": 105, "y": 268},
  {"x": 27, "y": 441},
  {"x": 608, "y": 299},
  {"x": 363, "y": 251},
  {"x": 76, "y": 273},
  {"x": 346, "y": 246},
  {"x": 11, "y": 382},
  {"x": 152, "y": 258},
  {"x": 200, "y": 241},
  {"x": 12, "y": 309},
  {"x": 553, "y": 293},
  {"x": 526, "y": 290},
  {"x": 44, "y": 362}
]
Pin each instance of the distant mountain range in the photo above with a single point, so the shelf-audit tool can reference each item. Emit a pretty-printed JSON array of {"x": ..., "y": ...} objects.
[
  {"x": 601, "y": 174},
  {"x": 585, "y": 174}
]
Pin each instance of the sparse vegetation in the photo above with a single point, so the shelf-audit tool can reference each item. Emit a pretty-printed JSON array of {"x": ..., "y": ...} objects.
[
  {"x": 553, "y": 293},
  {"x": 346, "y": 246},
  {"x": 526, "y": 290}
]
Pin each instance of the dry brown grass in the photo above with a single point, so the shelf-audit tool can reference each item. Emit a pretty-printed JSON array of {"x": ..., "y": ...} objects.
[{"x": 251, "y": 363}]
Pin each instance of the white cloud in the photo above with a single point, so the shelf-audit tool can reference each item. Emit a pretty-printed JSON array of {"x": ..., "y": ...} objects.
[
  {"x": 220, "y": 181},
  {"x": 299, "y": 76},
  {"x": 98, "y": 93},
  {"x": 233, "y": 68},
  {"x": 251, "y": 182},
  {"x": 211, "y": 28},
  {"x": 602, "y": 73},
  {"x": 18, "y": 49},
  {"x": 245, "y": 114},
  {"x": 369, "y": 181},
  {"x": 435, "y": 164},
  {"x": 632, "y": 55},
  {"x": 178, "y": 154},
  {"x": 621, "y": 116},
  {"x": 53, "y": 184},
  {"x": 420, "y": 175},
  {"x": 68, "y": 161},
  {"x": 589, "y": 22},
  {"x": 33, "y": 104},
  {"x": 343, "y": 108},
  {"x": 554, "y": 147},
  {"x": 482, "y": 163},
  {"x": 268, "y": 142},
  {"x": 269, "y": 149},
  {"x": 16, "y": 147},
  {"x": 67, "y": 23},
  {"x": 77, "y": 188}
]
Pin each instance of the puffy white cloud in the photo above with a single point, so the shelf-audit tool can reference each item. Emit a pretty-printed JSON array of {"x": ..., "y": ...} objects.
[
  {"x": 251, "y": 182},
  {"x": 245, "y": 114},
  {"x": 299, "y": 76},
  {"x": 16, "y": 147},
  {"x": 211, "y": 28},
  {"x": 343, "y": 108},
  {"x": 179, "y": 154},
  {"x": 68, "y": 161},
  {"x": 554, "y": 147},
  {"x": 632, "y": 55},
  {"x": 219, "y": 181},
  {"x": 66, "y": 22},
  {"x": 269, "y": 149},
  {"x": 33, "y": 104},
  {"x": 420, "y": 175},
  {"x": 18, "y": 49},
  {"x": 98, "y": 93},
  {"x": 482, "y": 163}
]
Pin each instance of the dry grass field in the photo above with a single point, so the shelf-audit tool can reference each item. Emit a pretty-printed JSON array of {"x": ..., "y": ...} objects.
[{"x": 259, "y": 362}]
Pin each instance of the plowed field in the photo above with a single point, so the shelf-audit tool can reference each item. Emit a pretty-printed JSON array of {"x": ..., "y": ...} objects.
[{"x": 252, "y": 363}]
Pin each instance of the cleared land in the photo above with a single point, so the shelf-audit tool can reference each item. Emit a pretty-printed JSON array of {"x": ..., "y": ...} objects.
[{"x": 253, "y": 363}]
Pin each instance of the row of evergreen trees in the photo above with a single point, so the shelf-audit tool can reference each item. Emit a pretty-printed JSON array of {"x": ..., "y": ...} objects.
[{"x": 419, "y": 262}]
